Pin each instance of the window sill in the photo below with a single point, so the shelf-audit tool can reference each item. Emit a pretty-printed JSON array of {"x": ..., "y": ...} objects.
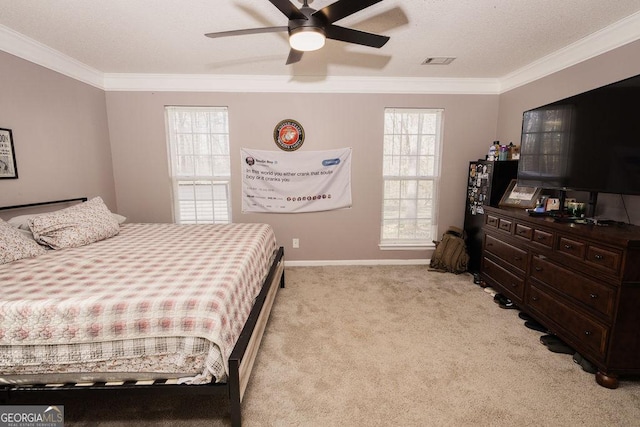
[{"x": 406, "y": 246}]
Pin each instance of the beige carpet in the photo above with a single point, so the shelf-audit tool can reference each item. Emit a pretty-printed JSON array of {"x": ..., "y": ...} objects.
[{"x": 393, "y": 346}]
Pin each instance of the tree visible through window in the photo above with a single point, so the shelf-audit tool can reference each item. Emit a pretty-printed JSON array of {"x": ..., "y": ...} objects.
[
  {"x": 411, "y": 169},
  {"x": 198, "y": 140}
]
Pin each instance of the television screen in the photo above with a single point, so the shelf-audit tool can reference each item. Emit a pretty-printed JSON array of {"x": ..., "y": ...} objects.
[{"x": 588, "y": 142}]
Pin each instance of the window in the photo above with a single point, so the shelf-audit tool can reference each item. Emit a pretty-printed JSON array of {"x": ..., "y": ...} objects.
[
  {"x": 200, "y": 167},
  {"x": 411, "y": 169}
]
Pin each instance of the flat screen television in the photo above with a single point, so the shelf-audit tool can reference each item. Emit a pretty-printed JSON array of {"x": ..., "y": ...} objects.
[{"x": 587, "y": 142}]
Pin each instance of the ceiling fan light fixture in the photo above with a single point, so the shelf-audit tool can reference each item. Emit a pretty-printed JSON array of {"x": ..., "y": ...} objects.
[{"x": 307, "y": 39}]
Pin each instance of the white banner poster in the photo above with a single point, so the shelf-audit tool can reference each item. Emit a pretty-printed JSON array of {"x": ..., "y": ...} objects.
[{"x": 292, "y": 182}]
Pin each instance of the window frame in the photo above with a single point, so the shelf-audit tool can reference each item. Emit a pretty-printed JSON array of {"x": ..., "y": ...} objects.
[
  {"x": 212, "y": 180},
  {"x": 387, "y": 243}
]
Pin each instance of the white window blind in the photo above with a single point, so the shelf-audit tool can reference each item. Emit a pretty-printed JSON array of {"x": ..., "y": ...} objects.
[
  {"x": 200, "y": 167},
  {"x": 411, "y": 170}
]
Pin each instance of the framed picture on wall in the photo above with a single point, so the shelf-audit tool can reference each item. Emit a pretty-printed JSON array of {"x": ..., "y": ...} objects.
[
  {"x": 8, "y": 168},
  {"x": 517, "y": 196}
]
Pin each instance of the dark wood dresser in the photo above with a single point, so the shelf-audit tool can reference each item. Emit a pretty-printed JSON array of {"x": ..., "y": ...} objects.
[{"x": 580, "y": 281}]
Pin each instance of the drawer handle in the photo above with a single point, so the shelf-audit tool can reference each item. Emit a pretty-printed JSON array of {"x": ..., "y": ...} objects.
[
  {"x": 517, "y": 258},
  {"x": 535, "y": 298},
  {"x": 587, "y": 333},
  {"x": 593, "y": 296},
  {"x": 513, "y": 285},
  {"x": 598, "y": 257},
  {"x": 568, "y": 246},
  {"x": 522, "y": 232},
  {"x": 489, "y": 244},
  {"x": 538, "y": 268}
]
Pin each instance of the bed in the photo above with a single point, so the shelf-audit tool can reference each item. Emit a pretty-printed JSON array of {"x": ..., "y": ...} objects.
[{"x": 133, "y": 307}]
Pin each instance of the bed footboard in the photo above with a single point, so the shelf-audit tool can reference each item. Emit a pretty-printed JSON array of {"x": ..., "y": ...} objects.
[{"x": 240, "y": 362}]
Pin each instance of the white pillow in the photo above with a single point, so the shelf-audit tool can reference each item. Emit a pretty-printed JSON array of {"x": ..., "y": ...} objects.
[
  {"x": 119, "y": 218},
  {"x": 75, "y": 226},
  {"x": 20, "y": 221},
  {"x": 14, "y": 246}
]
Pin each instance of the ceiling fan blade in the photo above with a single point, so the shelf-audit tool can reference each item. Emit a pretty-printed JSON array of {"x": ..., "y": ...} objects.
[
  {"x": 294, "y": 56},
  {"x": 247, "y": 31},
  {"x": 290, "y": 11},
  {"x": 350, "y": 35},
  {"x": 343, "y": 8}
]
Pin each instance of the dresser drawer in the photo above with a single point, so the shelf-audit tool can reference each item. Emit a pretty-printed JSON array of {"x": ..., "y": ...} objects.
[
  {"x": 511, "y": 283},
  {"x": 505, "y": 225},
  {"x": 523, "y": 231},
  {"x": 543, "y": 238},
  {"x": 586, "y": 331},
  {"x": 594, "y": 295},
  {"x": 571, "y": 247},
  {"x": 603, "y": 258},
  {"x": 491, "y": 221},
  {"x": 509, "y": 254}
]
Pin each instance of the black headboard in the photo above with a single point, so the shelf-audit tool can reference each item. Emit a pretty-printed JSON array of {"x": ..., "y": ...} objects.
[{"x": 31, "y": 205}]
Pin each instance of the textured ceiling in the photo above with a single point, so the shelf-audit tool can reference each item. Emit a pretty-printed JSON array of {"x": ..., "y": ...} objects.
[{"x": 488, "y": 38}]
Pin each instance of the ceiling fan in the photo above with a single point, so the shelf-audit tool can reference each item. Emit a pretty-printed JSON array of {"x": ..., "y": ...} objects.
[{"x": 308, "y": 28}]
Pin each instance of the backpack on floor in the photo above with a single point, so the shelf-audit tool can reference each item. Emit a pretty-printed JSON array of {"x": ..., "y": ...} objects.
[{"x": 451, "y": 252}]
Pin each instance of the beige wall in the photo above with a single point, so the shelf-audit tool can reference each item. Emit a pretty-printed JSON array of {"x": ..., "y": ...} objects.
[
  {"x": 610, "y": 67},
  {"x": 137, "y": 128},
  {"x": 60, "y": 133},
  {"x": 72, "y": 139}
]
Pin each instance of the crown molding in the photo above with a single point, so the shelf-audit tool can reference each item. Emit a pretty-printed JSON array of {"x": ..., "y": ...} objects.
[
  {"x": 285, "y": 84},
  {"x": 622, "y": 32},
  {"x": 26, "y": 48},
  {"x": 616, "y": 35}
]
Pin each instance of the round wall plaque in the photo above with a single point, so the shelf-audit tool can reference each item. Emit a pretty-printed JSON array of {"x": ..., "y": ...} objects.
[{"x": 288, "y": 135}]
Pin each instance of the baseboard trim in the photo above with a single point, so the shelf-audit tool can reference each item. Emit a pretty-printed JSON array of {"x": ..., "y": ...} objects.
[{"x": 319, "y": 263}]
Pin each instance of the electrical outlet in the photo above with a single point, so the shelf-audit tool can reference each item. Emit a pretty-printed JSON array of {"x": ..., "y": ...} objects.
[{"x": 296, "y": 243}]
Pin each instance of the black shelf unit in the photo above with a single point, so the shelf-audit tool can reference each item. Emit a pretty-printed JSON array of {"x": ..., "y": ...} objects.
[{"x": 487, "y": 181}]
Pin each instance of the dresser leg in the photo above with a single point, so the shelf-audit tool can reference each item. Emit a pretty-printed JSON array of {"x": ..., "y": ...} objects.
[{"x": 608, "y": 381}]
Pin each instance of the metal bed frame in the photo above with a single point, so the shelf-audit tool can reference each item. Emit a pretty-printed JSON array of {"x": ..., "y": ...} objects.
[{"x": 241, "y": 359}]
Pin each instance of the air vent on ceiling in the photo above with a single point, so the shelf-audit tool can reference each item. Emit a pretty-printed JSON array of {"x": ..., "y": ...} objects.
[{"x": 438, "y": 60}]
